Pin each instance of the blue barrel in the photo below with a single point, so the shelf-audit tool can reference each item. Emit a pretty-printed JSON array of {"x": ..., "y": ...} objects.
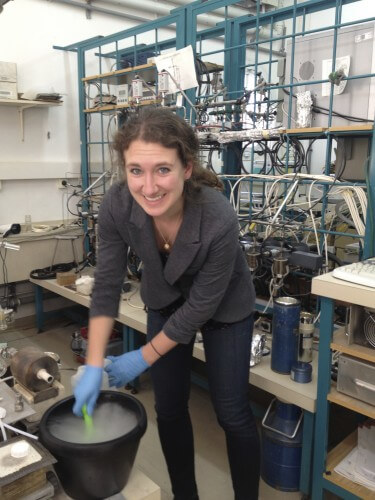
[
  {"x": 285, "y": 331},
  {"x": 282, "y": 446}
]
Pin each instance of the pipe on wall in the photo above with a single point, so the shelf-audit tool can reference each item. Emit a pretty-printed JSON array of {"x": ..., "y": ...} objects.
[
  {"x": 164, "y": 9},
  {"x": 203, "y": 21},
  {"x": 93, "y": 8}
]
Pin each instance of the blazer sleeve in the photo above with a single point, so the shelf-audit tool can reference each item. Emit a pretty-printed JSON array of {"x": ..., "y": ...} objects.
[
  {"x": 209, "y": 286},
  {"x": 111, "y": 263}
]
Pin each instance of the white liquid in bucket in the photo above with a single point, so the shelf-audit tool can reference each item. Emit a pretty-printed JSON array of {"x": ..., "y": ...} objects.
[{"x": 110, "y": 421}]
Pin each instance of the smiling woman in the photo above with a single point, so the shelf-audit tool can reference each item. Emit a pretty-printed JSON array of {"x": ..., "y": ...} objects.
[
  {"x": 156, "y": 176},
  {"x": 171, "y": 212}
]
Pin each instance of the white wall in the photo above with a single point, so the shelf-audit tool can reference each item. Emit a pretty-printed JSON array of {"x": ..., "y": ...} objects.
[{"x": 28, "y": 30}]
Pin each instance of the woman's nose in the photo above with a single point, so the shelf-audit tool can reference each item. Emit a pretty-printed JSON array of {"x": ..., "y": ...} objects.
[{"x": 149, "y": 186}]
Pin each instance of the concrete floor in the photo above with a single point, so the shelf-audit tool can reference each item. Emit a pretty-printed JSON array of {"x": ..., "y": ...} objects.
[{"x": 211, "y": 462}]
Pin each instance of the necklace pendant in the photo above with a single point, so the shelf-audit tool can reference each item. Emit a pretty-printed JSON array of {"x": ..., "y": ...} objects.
[{"x": 167, "y": 247}]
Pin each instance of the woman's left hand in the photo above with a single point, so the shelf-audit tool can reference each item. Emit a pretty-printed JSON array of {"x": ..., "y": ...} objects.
[{"x": 125, "y": 368}]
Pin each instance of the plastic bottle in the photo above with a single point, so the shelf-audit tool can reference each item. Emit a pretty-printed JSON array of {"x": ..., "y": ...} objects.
[
  {"x": 105, "y": 383},
  {"x": 3, "y": 323}
]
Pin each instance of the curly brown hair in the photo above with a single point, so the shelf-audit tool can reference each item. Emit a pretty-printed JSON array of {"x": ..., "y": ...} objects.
[{"x": 162, "y": 126}]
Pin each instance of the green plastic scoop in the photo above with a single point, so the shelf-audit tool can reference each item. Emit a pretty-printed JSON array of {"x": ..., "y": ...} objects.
[{"x": 88, "y": 419}]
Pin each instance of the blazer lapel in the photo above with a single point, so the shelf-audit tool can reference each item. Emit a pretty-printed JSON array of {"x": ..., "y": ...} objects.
[
  {"x": 186, "y": 245},
  {"x": 143, "y": 238}
]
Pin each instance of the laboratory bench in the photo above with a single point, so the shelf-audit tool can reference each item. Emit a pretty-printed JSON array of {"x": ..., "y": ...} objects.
[{"x": 133, "y": 317}]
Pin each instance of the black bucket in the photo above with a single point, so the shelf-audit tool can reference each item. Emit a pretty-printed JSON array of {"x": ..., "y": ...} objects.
[{"x": 93, "y": 471}]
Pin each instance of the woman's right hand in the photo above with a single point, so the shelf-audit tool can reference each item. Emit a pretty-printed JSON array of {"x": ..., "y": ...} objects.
[{"x": 87, "y": 389}]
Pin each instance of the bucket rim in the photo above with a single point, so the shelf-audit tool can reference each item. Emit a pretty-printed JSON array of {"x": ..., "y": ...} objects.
[{"x": 140, "y": 427}]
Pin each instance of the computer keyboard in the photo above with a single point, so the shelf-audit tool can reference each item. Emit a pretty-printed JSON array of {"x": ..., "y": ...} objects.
[{"x": 362, "y": 273}]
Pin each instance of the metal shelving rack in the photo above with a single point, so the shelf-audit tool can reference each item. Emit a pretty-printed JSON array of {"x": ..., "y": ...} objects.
[{"x": 243, "y": 48}]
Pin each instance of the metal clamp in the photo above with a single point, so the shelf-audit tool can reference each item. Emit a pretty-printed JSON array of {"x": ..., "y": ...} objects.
[{"x": 293, "y": 435}]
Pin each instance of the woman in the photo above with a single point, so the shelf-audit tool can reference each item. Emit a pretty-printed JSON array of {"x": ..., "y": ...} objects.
[{"x": 194, "y": 277}]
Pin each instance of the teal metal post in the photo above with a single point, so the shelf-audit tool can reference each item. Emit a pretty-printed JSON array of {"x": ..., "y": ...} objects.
[
  {"x": 369, "y": 250},
  {"x": 322, "y": 404},
  {"x": 307, "y": 452}
]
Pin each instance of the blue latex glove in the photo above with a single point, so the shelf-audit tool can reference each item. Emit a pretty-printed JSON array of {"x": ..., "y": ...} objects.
[
  {"x": 125, "y": 368},
  {"x": 87, "y": 389}
]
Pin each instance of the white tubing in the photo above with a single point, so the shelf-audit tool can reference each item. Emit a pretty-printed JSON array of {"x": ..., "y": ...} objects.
[
  {"x": 42, "y": 374},
  {"x": 3, "y": 430},
  {"x": 18, "y": 431}
]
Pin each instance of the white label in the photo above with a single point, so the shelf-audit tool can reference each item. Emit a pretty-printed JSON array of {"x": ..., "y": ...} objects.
[{"x": 363, "y": 37}]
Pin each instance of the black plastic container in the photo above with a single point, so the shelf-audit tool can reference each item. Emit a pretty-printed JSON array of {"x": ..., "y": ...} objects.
[{"x": 97, "y": 470}]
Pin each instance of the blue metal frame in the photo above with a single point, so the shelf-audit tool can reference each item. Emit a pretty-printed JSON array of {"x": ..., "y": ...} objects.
[{"x": 324, "y": 386}]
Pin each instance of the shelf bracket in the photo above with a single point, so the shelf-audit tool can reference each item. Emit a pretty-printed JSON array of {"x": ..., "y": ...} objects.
[{"x": 20, "y": 111}]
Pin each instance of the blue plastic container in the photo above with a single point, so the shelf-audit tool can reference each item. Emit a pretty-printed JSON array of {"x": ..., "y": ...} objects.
[
  {"x": 282, "y": 446},
  {"x": 285, "y": 334}
]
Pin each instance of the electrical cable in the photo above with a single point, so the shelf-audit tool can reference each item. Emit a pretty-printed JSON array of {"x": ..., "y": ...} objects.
[
  {"x": 320, "y": 109},
  {"x": 48, "y": 273}
]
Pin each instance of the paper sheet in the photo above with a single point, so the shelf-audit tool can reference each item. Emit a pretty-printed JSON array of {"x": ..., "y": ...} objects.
[
  {"x": 341, "y": 63},
  {"x": 180, "y": 65},
  {"x": 359, "y": 464}
]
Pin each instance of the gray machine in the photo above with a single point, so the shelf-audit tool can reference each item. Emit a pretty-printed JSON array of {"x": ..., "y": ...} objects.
[{"x": 355, "y": 53}]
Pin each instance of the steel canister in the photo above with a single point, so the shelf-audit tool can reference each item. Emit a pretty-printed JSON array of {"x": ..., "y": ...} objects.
[
  {"x": 285, "y": 323},
  {"x": 306, "y": 333}
]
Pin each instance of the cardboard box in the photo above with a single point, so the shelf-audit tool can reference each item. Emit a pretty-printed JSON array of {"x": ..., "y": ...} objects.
[
  {"x": 8, "y": 90},
  {"x": 66, "y": 279},
  {"x": 8, "y": 72}
]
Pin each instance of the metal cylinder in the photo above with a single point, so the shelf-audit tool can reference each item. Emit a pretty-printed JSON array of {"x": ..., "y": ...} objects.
[
  {"x": 252, "y": 258},
  {"x": 163, "y": 81},
  {"x": 306, "y": 334},
  {"x": 285, "y": 323},
  {"x": 137, "y": 88},
  {"x": 282, "y": 446},
  {"x": 26, "y": 366},
  {"x": 280, "y": 266}
]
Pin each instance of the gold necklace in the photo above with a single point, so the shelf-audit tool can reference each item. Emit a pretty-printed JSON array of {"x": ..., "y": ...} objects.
[{"x": 167, "y": 243}]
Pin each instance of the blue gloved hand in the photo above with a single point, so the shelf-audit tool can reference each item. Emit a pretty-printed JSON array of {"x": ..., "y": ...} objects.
[
  {"x": 125, "y": 368},
  {"x": 87, "y": 389}
]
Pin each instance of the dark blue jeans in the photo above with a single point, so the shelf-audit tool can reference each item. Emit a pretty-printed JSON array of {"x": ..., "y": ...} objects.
[{"x": 227, "y": 351}]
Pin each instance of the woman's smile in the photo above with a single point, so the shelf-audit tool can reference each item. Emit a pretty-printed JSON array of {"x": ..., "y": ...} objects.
[{"x": 156, "y": 178}]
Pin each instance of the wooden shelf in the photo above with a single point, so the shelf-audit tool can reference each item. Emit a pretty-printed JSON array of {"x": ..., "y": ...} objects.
[
  {"x": 334, "y": 457},
  {"x": 351, "y": 403},
  {"x": 23, "y": 103},
  {"x": 349, "y": 128},
  {"x": 119, "y": 76},
  {"x": 340, "y": 344},
  {"x": 111, "y": 107},
  {"x": 327, "y": 285},
  {"x": 309, "y": 130}
]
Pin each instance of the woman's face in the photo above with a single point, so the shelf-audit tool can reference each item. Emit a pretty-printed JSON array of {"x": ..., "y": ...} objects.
[{"x": 156, "y": 176}]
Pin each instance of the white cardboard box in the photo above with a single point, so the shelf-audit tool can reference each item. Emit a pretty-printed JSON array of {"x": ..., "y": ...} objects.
[
  {"x": 8, "y": 90},
  {"x": 8, "y": 72}
]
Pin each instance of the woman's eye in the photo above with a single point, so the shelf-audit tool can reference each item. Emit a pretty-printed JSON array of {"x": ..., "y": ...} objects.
[
  {"x": 164, "y": 170},
  {"x": 135, "y": 171}
]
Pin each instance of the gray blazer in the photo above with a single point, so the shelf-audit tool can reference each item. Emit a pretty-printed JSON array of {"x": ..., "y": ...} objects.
[{"x": 206, "y": 264}]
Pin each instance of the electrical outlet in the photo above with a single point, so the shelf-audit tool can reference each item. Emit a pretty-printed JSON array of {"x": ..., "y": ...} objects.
[{"x": 62, "y": 183}]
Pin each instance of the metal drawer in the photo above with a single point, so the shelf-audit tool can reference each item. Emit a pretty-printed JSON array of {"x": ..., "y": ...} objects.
[{"x": 356, "y": 378}]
